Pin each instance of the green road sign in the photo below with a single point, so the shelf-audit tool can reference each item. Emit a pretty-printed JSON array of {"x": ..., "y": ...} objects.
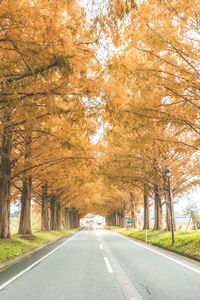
[{"x": 129, "y": 221}]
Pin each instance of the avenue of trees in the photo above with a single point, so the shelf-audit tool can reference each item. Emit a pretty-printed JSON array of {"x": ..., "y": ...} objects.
[
  {"x": 152, "y": 114},
  {"x": 126, "y": 71},
  {"x": 47, "y": 105}
]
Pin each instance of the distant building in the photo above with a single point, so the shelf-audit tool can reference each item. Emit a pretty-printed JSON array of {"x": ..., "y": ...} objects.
[{"x": 90, "y": 218}]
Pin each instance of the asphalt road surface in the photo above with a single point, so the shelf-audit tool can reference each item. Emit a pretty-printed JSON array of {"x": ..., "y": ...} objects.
[{"x": 101, "y": 265}]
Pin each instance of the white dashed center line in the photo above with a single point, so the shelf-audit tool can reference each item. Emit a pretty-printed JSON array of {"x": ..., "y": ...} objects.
[{"x": 110, "y": 270}]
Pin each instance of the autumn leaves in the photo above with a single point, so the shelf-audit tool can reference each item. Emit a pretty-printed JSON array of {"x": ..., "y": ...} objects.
[
  {"x": 55, "y": 93},
  {"x": 45, "y": 121},
  {"x": 153, "y": 105}
]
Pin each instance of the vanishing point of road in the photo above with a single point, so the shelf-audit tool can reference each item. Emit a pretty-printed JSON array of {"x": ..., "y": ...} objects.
[{"x": 101, "y": 265}]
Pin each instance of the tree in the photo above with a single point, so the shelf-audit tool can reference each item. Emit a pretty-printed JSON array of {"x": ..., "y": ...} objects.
[{"x": 45, "y": 58}]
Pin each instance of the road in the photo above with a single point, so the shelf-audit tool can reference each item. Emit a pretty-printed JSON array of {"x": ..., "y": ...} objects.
[{"x": 101, "y": 265}]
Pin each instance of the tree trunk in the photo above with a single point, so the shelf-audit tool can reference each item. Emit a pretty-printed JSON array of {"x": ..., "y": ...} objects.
[
  {"x": 108, "y": 220},
  {"x": 120, "y": 219},
  {"x": 73, "y": 218},
  {"x": 124, "y": 214},
  {"x": 25, "y": 213},
  {"x": 66, "y": 222},
  {"x": 194, "y": 221},
  {"x": 70, "y": 219},
  {"x": 146, "y": 209},
  {"x": 112, "y": 219},
  {"x": 157, "y": 209},
  {"x": 123, "y": 224},
  {"x": 168, "y": 215},
  {"x": 5, "y": 172},
  {"x": 45, "y": 209},
  {"x": 168, "y": 222},
  {"x": 58, "y": 216},
  {"x": 76, "y": 223},
  {"x": 4, "y": 208},
  {"x": 133, "y": 212},
  {"x": 53, "y": 212},
  {"x": 77, "y": 220},
  {"x": 173, "y": 214},
  {"x": 109, "y": 223},
  {"x": 116, "y": 219}
]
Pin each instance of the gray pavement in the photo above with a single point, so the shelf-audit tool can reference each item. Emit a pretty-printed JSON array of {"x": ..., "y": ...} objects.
[{"x": 104, "y": 266}]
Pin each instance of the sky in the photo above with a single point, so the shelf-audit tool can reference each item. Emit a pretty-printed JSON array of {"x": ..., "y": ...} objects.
[{"x": 193, "y": 196}]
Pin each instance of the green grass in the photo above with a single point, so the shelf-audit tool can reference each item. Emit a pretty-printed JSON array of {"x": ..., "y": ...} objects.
[
  {"x": 10, "y": 248},
  {"x": 186, "y": 243}
]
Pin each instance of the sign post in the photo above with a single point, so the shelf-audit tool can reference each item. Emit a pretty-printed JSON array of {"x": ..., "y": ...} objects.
[{"x": 129, "y": 221}]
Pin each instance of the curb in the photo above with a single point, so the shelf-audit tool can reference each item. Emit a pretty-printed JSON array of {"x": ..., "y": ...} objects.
[{"x": 11, "y": 262}]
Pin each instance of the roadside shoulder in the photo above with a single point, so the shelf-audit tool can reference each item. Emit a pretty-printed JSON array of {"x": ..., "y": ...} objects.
[
  {"x": 171, "y": 250},
  {"x": 10, "y": 262}
]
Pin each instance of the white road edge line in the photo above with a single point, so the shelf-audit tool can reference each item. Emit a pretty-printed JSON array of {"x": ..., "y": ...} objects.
[
  {"x": 35, "y": 263},
  {"x": 110, "y": 270},
  {"x": 101, "y": 247},
  {"x": 157, "y": 252}
]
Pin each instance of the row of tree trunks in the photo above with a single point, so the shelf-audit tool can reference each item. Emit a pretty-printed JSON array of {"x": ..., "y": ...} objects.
[
  {"x": 116, "y": 218},
  {"x": 111, "y": 219},
  {"x": 5, "y": 174},
  {"x": 71, "y": 218},
  {"x": 121, "y": 220}
]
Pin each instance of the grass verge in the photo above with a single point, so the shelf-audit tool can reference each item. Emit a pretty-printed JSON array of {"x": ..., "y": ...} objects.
[
  {"x": 186, "y": 243},
  {"x": 10, "y": 248}
]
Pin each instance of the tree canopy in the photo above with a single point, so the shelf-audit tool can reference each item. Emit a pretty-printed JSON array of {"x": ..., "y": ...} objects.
[{"x": 126, "y": 72}]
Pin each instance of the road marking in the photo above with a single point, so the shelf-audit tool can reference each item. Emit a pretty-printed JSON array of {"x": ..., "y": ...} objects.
[
  {"x": 108, "y": 265},
  {"x": 35, "y": 263},
  {"x": 159, "y": 253},
  {"x": 127, "y": 287},
  {"x": 101, "y": 247}
]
